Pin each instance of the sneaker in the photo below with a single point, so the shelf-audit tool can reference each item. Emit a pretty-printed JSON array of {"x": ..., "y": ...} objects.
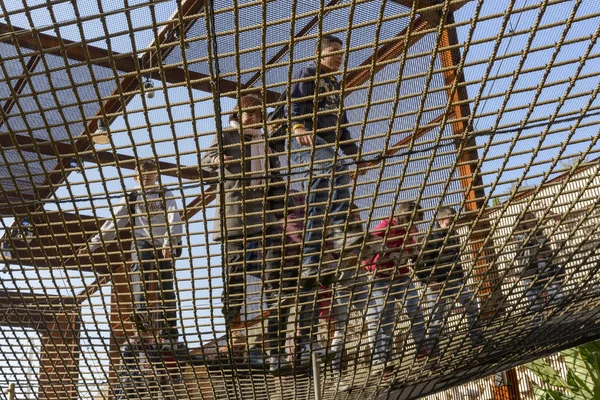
[
  {"x": 343, "y": 383},
  {"x": 278, "y": 363},
  {"x": 306, "y": 352},
  {"x": 338, "y": 237},
  {"x": 308, "y": 277},
  {"x": 141, "y": 320},
  {"x": 424, "y": 351},
  {"x": 337, "y": 343},
  {"x": 378, "y": 363},
  {"x": 328, "y": 274}
]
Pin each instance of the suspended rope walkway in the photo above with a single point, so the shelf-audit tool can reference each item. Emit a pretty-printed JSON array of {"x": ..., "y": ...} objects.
[{"x": 290, "y": 200}]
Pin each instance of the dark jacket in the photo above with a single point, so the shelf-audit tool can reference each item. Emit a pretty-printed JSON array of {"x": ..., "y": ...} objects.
[
  {"x": 437, "y": 265},
  {"x": 249, "y": 212},
  {"x": 534, "y": 255},
  {"x": 328, "y": 107}
]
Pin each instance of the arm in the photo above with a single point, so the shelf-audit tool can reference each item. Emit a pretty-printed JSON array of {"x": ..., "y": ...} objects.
[
  {"x": 379, "y": 230},
  {"x": 173, "y": 222},
  {"x": 210, "y": 160},
  {"x": 108, "y": 231},
  {"x": 302, "y": 108},
  {"x": 349, "y": 148},
  {"x": 298, "y": 90}
]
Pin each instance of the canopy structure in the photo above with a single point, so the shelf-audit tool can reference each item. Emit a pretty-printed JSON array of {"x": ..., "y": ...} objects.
[{"x": 489, "y": 107}]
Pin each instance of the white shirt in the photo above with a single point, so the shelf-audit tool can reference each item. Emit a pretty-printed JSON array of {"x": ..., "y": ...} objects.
[{"x": 152, "y": 222}]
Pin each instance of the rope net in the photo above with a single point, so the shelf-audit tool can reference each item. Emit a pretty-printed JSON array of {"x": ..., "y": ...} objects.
[{"x": 426, "y": 218}]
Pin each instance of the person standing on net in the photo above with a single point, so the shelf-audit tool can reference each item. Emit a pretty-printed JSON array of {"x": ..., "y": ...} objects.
[
  {"x": 441, "y": 271},
  {"x": 248, "y": 210},
  {"x": 316, "y": 134},
  {"x": 157, "y": 229},
  {"x": 393, "y": 283},
  {"x": 540, "y": 274}
]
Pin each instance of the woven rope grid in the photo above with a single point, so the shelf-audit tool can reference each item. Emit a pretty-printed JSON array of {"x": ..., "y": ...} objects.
[{"x": 488, "y": 107}]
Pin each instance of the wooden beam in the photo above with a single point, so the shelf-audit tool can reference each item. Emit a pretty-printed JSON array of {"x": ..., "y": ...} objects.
[
  {"x": 9, "y": 141},
  {"x": 18, "y": 87},
  {"x": 33, "y": 310},
  {"x": 471, "y": 178},
  {"x": 286, "y": 48},
  {"x": 58, "y": 234},
  {"x": 432, "y": 16},
  {"x": 125, "y": 63},
  {"x": 386, "y": 52}
]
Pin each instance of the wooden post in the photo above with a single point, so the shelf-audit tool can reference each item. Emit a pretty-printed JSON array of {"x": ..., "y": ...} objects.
[
  {"x": 471, "y": 180},
  {"x": 59, "y": 364},
  {"x": 121, "y": 308},
  {"x": 472, "y": 183}
]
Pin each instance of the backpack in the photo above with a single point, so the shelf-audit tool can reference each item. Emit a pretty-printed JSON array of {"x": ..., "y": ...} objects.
[{"x": 133, "y": 198}]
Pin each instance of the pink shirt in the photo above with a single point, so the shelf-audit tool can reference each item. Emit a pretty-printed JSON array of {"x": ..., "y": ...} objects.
[{"x": 394, "y": 240}]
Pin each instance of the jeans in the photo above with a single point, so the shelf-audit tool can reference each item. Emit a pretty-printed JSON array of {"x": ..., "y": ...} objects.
[
  {"x": 233, "y": 295},
  {"x": 147, "y": 255},
  {"x": 539, "y": 293},
  {"x": 443, "y": 301},
  {"x": 381, "y": 317},
  {"x": 319, "y": 187},
  {"x": 280, "y": 316}
]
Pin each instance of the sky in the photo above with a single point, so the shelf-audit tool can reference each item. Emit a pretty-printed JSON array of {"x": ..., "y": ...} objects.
[{"x": 542, "y": 83}]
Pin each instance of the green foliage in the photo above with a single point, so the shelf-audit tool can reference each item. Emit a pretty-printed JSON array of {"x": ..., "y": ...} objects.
[{"x": 583, "y": 375}]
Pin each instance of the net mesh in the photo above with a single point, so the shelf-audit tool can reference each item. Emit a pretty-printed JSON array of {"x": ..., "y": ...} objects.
[{"x": 488, "y": 107}]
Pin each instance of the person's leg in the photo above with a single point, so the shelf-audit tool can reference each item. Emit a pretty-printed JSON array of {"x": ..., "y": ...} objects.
[
  {"x": 317, "y": 199},
  {"x": 534, "y": 294},
  {"x": 468, "y": 301},
  {"x": 308, "y": 320},
  {"x": 142, "y": 261},
  {"x": 380, "y": 317},
  {"x": 277, "y": 323},
  {"x": 435, "y": 301},
  {"x": 169, "y": 299},
  {"x": 233, "y": 290},
  {"x": 412, "y": 307}
]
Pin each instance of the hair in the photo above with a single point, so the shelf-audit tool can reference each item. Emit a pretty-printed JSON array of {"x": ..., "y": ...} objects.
[
  {"x": 405, "y": 210},
  {"x": 528, "y": 217},
  {"x": 445, "y": 212},
  {"x": 326, "y": 41},
  {"x": 146, "y": 166},
  {"x": 246, "y": 101}
]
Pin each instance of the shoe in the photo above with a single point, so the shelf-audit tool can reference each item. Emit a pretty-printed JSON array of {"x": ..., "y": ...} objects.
[
  {"x": 337, "y": 343},
  {"x": 378, "y": 363},
  {"x": 306, "y": 352},
  {"x": 308, "y": 277},
  {"x": 338, "y": 237},
  {"x": 425, "y": 351},
  {"x": 141, "y": 320},
  {"x": 328, "y": 274},
  {"x": 278, "y": 363},
  {"x": 343, "y": 383}
]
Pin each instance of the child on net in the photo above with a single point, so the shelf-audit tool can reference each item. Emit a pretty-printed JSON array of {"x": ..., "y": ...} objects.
[
  {"x": 541, "y": 277},
  {"x": 441, "y": 271},
  {"x": 250, "y": 176},
  {"x": 349, "y": 290},
  {"x": 392, "y": 283},
  {"x": 156, "y": 224},
  {"x": 349, "y": 287}
]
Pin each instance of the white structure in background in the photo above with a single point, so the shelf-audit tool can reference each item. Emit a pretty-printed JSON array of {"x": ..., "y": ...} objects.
[{"x": 569, "y": 208}]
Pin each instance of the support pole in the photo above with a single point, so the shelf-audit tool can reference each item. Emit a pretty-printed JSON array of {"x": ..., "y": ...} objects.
[
  {"x": 316, "y": 375},
  {"x": 11, "y": 391}
]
